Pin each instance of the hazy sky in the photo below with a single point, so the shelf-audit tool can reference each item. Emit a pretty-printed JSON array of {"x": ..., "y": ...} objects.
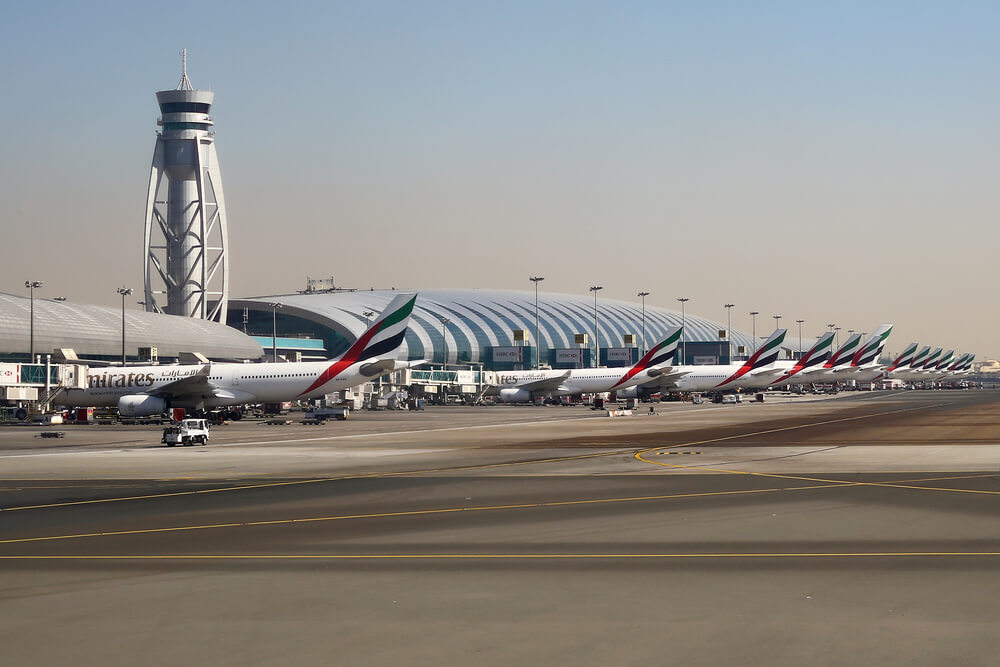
[{"x": 832, "y": 162}]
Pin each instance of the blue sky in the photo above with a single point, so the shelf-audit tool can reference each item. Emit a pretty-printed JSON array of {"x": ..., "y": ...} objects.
[{"x": 826, "y": 161}]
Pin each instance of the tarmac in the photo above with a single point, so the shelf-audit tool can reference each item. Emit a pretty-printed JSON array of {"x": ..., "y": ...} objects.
[{"x": 851, "y": 530}]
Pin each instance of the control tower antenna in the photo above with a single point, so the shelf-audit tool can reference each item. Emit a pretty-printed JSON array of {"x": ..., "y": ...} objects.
[
  {"x": 185, "y": 253},
  {"x": 185, "y": 83}
]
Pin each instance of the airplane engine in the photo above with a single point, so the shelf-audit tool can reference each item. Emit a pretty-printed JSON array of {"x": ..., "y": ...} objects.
[
  {"x": 631, "y": 392},
  {"x": 515, "y": 395},
  {"x": 141, "y": 405}
]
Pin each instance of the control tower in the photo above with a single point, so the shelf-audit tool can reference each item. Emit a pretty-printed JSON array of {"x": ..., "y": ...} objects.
[{"x": 187, "y": 265}]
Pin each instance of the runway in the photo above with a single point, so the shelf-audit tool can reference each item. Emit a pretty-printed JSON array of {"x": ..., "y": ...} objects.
[{"x": 859, "y": 529}]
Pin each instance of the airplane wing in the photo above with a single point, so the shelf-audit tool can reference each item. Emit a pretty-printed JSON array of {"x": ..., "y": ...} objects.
[
  {"x": 768, "y": 371},
  {"x": 666, "y": 381},
  {"x": 546, "y": 384},
  {"x": 192, "y": 384}
]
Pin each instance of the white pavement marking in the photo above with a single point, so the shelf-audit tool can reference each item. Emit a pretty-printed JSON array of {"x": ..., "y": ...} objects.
[{"x": 318, "y": 439}]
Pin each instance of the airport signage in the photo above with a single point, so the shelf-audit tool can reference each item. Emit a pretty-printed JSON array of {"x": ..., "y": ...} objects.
[
  {"x": 619, "y": 353},
  {"x": 10, "y": 374},
  {"x": 705, "y": 360},
  {"x": 508, "y": 355},
  {"x": 569, "y": 355}
]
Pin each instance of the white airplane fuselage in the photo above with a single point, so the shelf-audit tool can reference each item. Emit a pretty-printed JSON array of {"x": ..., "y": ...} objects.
[
  {"x": 578, "y": 380},
  {"x": 232, "y": 384},
  {"x": 711, "y": 378}
]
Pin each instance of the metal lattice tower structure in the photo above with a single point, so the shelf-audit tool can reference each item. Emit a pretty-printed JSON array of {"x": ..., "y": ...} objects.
[{"x": 187, "y": 264}]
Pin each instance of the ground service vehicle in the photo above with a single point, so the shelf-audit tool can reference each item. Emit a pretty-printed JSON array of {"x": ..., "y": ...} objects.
[{"x": 187, "y": 432}]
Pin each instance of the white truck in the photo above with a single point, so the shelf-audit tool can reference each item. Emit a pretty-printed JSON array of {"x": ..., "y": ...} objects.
[{"x": 186, "y": 432}]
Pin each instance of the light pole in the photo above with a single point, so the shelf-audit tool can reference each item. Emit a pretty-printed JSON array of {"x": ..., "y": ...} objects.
[
  {"x": 538, "y": 345},
  {"x": 643, "y": 295},
  {"x": 800, "y": 337},
  {"x": 753, "y": 331},
  {"x": 836, "y": 336},
  {"x": 124, "y": 291},
  {"x": 684, "y": 349},
  {"x": 274, "y": 331},
  {"x": 444, "y": 363},
  {"x": 597, "y": 346},
  {"x": 368, "y": 318},
  {"x": 777, "y": 320},
  {"x": 729, "y": 329},
  {"x": 31, "y": 285}
]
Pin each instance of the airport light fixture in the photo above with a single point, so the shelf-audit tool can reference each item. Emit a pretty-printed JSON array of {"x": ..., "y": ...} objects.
[
  {"x": 597, "y": 346},
  {"x": 643, "y": 295},
  {"x": 58, "y": 298},
  {"x": 836, "y": 336},
  {"x": 729, "y": 328},
  {"x": 444, "y": 362},
  {"x": 684, "y": 350},
  {"x": 800, "y": 337},
  {"x": 536, "y": 280},
  {"x": 368, "y": 318},
  {"x": 124, "y": 292},
  {"x": 31, "y": 285},
  {"x": 274, "y": 330},
  {"x": 777, "y": 320},
  {"x": 753, "y": 317}
]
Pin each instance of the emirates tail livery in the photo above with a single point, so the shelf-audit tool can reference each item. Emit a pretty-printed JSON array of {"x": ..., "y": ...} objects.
[
  {"x": 523, "y": 386},
  {"x": 140, "y": 391},
  {"x": 864, "y": 366},
  {"x": 904, "y": 359},
  {"x": 817, "y": 355}
]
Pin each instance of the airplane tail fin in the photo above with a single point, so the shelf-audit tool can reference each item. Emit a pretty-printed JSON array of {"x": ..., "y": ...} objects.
[
  {"x": 386, "y": 333},
  {"x": 380, "y": 341},
  {"x": 660, "y": 354},
  {"x": 869, "y": 352},
  {"x": 932, "y": 359},
  {"x": 765, "y": 356},
  {"x": 768, "y": 352},
  {"x": 904, "y": 359},
  {"x": 968, "y": 362},
  {"x": 816, "y": 355},
  {"x": 959, "y": 363},
  {"x": 946, "y": 359},
  {"x": 920, "y": 358},
  {"x": 845, "y": 353}
]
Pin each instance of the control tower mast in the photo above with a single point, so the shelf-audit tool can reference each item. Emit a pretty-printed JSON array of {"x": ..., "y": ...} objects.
[{"x": 187, "y": 265}]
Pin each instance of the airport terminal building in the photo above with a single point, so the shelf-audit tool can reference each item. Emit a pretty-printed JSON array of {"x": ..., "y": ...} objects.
[
  {"x": 95, "y": 333},
  {"x": 495, "y": 328}
]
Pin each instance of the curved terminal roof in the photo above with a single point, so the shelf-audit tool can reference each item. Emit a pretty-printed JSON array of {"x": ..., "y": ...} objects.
[
  {"x": 96, "y": 331},
  {"x": 480, "y": 318}
]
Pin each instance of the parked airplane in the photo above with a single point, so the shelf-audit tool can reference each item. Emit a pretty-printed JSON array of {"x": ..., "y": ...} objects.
[
  {"x": 150, "y": 390},
  {"x": 723, "y": 377},
  {"x": 524, "y": 386}
]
